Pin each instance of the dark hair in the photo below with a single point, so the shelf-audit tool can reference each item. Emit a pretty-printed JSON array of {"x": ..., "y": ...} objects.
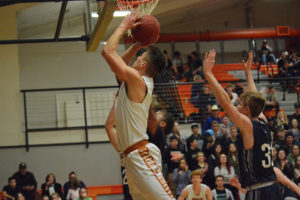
[
  {"x": 48, "y": 175},
  {"x": 220, "y": 176},
  {"x": 10, "y": 179},
  {"x": 227, "y": 163},
  {"x": 169, "y": 119},
  {"x": 195, "y": 53},
  {"x": 156, "y": 61},
  {"x": 177, "y": 53},
  {"x": 71, "y": 173}
]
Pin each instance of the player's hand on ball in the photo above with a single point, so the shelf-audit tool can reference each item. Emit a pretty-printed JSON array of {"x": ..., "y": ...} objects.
[{"x": 129, "y": 21}]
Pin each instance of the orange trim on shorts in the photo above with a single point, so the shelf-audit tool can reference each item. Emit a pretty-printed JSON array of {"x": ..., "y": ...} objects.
[{"x": 152, "y": 165}]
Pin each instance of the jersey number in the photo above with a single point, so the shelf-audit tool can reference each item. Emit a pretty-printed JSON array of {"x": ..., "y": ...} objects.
[{"x": 267, "y": 149}]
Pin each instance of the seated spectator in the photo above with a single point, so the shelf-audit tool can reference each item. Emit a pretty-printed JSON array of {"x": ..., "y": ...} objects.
[
  {"x": 272, "y": 126},
  {"x": 191, "y": 154},
  {"x": 297, "y": 169},
  {"x": 55, "y": 196},
  {"x": 225, "y": 126},
  {"x": 292, "y": 156},
  {"x": 271, "y": 99},
  {"x": 289, "y": 142},
  {"x": 267, "y": 55},
  {"x": 295, "y": 129},
  {"x": 214, "y": 117},
  {"x": 195, "y": 135},
  {"x": 208, "y": 145},
  {"x": 227, "y": 171},
  {"x": 196, "y": 190},
  {"x": 181, "y": 176},
  {"x": 224, "y": 169},
  {"x": 83, "y": 194},
  {"x": 197, "y": 91},
  {"x": 283, "y": 164},
  {"x": 21, "y": 196},
  {"x": 168, "y": 63},
  {"x": 233, "y": 96},
  {"x": 26, "y": 182},
  {"x": 71, "y": 188},
  {"x": 45, "y": 197},
  {"x": 206, "y": 101},
  {"x": 174, "y": 155},
  {"x": 51, "y": 187},
  {"x": 220, "y": 192},
  {"x": 296, "y": 115},
  {"x": 233, "y": 137},
  {"x": 282, "y": 120},
  {"x": 220, "y": 137},
  {"x": 238, "y": 89},
  {"x": 197, "y": 64},
  {"x": 181, "y": 143},
  {"x": 178, "y": 63},
  {"x": 280, "y": 141},
  {"x": 213, "y": 161},
  {"x": 10, "y": 191},
  {"x": 202, "y": 165},
  {"x": 233, "y": 159}
]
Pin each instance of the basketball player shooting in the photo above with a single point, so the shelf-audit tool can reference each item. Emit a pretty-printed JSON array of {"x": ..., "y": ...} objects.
[
  {"x": 255, "y": 152},
  {"x": 142, "y": 159}
]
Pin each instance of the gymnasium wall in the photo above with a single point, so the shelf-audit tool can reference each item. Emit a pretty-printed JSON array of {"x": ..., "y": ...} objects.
[{"x": 97, "y": 165}]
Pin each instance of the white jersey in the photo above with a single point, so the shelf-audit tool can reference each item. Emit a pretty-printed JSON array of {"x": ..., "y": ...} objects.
[
  {"x": 131, "y": 118},
  {"x": 192, "y": 196}
]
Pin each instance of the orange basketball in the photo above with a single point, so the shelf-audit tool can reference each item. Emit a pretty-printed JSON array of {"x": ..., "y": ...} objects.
[{"x": 148, "y": 31}]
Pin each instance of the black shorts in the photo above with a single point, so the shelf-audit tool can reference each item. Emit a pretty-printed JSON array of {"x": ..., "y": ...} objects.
[{"x": 271, "y": 192}]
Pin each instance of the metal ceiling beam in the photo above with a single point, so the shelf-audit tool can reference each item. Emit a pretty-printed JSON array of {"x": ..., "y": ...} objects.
[
  {"x": 60, "y": 19},
  {"x": 45, "y": 40},
  {"x": 9, "y": 2},
  {"x": 103, "y": 21}
]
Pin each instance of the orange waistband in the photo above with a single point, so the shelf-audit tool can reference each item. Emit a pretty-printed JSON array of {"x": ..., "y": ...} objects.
[{"x": 135, "y": 146}]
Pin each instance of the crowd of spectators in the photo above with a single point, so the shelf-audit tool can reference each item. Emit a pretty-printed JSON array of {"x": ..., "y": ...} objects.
[
  {"x": 212, "y": 149},
  {"x": 22, "y": 185}
]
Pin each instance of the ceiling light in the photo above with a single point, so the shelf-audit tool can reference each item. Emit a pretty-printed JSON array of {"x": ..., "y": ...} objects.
[{"x": 117, "y": 13}]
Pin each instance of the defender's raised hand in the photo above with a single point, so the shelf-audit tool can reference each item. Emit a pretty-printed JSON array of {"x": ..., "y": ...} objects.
[
  {"x": 248, "y": 64},
  {"x": 209, "y": 61}
]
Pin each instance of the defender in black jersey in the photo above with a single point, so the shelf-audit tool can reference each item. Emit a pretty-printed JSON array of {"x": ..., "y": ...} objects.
[{"x": 255, "y": 150}]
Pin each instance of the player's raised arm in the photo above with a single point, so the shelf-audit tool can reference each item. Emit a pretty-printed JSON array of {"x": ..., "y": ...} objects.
[
  {"x": 249, "y": 78},
  {"x": 239, "y": 119},
  {"x": 131, "y": 52},
  {"x": 109, "y": 52}
]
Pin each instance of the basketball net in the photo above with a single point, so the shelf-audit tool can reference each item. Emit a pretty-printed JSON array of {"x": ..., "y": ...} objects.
[{"x": 144, "y": 7}]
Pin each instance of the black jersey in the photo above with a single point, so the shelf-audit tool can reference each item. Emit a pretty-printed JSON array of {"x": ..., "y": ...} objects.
[{"x": 256, "y": 164}]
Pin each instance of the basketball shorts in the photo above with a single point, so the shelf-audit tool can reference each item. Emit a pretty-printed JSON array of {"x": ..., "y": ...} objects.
[
  {"x": 271, "y": 192},
  {"x": 144, "y": 175}
]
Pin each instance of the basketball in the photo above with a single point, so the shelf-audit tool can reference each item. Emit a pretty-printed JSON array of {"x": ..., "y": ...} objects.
[{"x": 147, "y": 32}]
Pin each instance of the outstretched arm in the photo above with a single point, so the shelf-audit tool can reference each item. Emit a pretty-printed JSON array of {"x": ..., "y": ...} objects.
[
  {"x": 286, "y": 181},
  {"x": 110, "y": 129},
  {"x": 240, "y": 120},
  {"x": 249, "y": 78}
]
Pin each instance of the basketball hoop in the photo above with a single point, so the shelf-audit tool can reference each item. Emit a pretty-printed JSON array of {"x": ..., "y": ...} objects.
[{"x": 145, "y": 7}]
